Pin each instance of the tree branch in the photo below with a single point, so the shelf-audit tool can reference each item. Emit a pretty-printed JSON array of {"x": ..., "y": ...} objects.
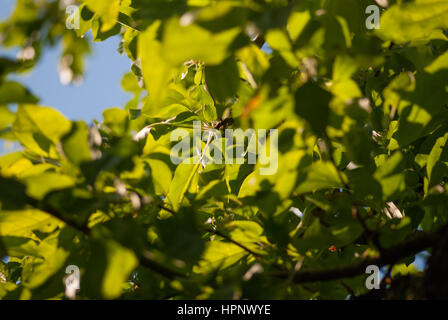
[
  {"x": 219, "y": 233},
  {"x": 259, "y": 40},
  {"x": 145, "y": 260},
  {"x": 56, "y": 214},
  {"x": 388, "y": 256}
]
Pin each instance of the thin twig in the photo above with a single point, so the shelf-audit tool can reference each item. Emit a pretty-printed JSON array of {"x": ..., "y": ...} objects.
[{"x": 219, "y": 233}]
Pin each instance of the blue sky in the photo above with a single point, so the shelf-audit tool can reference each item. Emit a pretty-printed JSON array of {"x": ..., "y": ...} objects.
[{"x": 101, "y": 86}]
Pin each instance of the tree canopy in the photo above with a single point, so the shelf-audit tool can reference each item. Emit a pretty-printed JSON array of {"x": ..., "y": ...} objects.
[{"x": 360, "y": 116}]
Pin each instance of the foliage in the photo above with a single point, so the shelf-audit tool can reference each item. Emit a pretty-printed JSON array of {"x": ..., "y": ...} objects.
[{"x": 363, "y": 153}]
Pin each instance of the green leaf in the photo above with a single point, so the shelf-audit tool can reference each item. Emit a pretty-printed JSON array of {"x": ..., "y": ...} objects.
[
  {"x": 13, "y": 195},
  {"x": 312, "y": 105},
  {"x": 6, "y": 117},
  {"x": 76, "y": 143},
  {"x": 390, "y": 175},
  {"x": 223, "y": 80},
  {"x": 440, "y": 63},
  {"x": 320, "y": 237},
  {"x": 40, "y": 185},
  {"x": 180, "y": 237},
  {"x": 185, "y": 178},
  {"x": 209, "y": 112},
  {"x": 8, "y": 65},
  {"x": 117, "y": 120},
  {"x": 412, "y": 121},
  {"x": 359, "y": 146},
  {"x": 359, "y": 125},
  {"x": 414, "y": 21},
  {"x": 24, "y": 223},
  {"x": 85, "y": 20},
  {"x": 247, "y": 233},
  {"x": 40, "y": 128},
  {"x": 278, "y": 40},
  {"x": 38, "y": 270},
  {"x": 192, "y": 42},
  {"x": 14, "y": 92},
  {"x": 436, "y": 168},
  {"x": 320, "y": 175},
  {"x": 107, "y": 10},
  {"x": 342, "y": 85},
  {"x": 161, "y": 175},
  {"x": 219, "y": 255},
  {"x": 98, "y": 33},
  {"x": 297, "y": 21},
  {"x": 129, "y": 83},
  {"x": 156, "y": 72},
  {"x": 120, "y": 263}
]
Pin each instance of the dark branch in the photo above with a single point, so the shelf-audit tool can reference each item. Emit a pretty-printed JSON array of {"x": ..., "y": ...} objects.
[
  {"x": 388, "y": 256},
  {"x": 145, "y": 260},
  {"x": 148, "y": 262},
  {"x": 166, "y": 209},
  {"x": 218, "y": 233},
  {"x": 259, "y": 40},
  {"x": 55, "y": 213}
]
